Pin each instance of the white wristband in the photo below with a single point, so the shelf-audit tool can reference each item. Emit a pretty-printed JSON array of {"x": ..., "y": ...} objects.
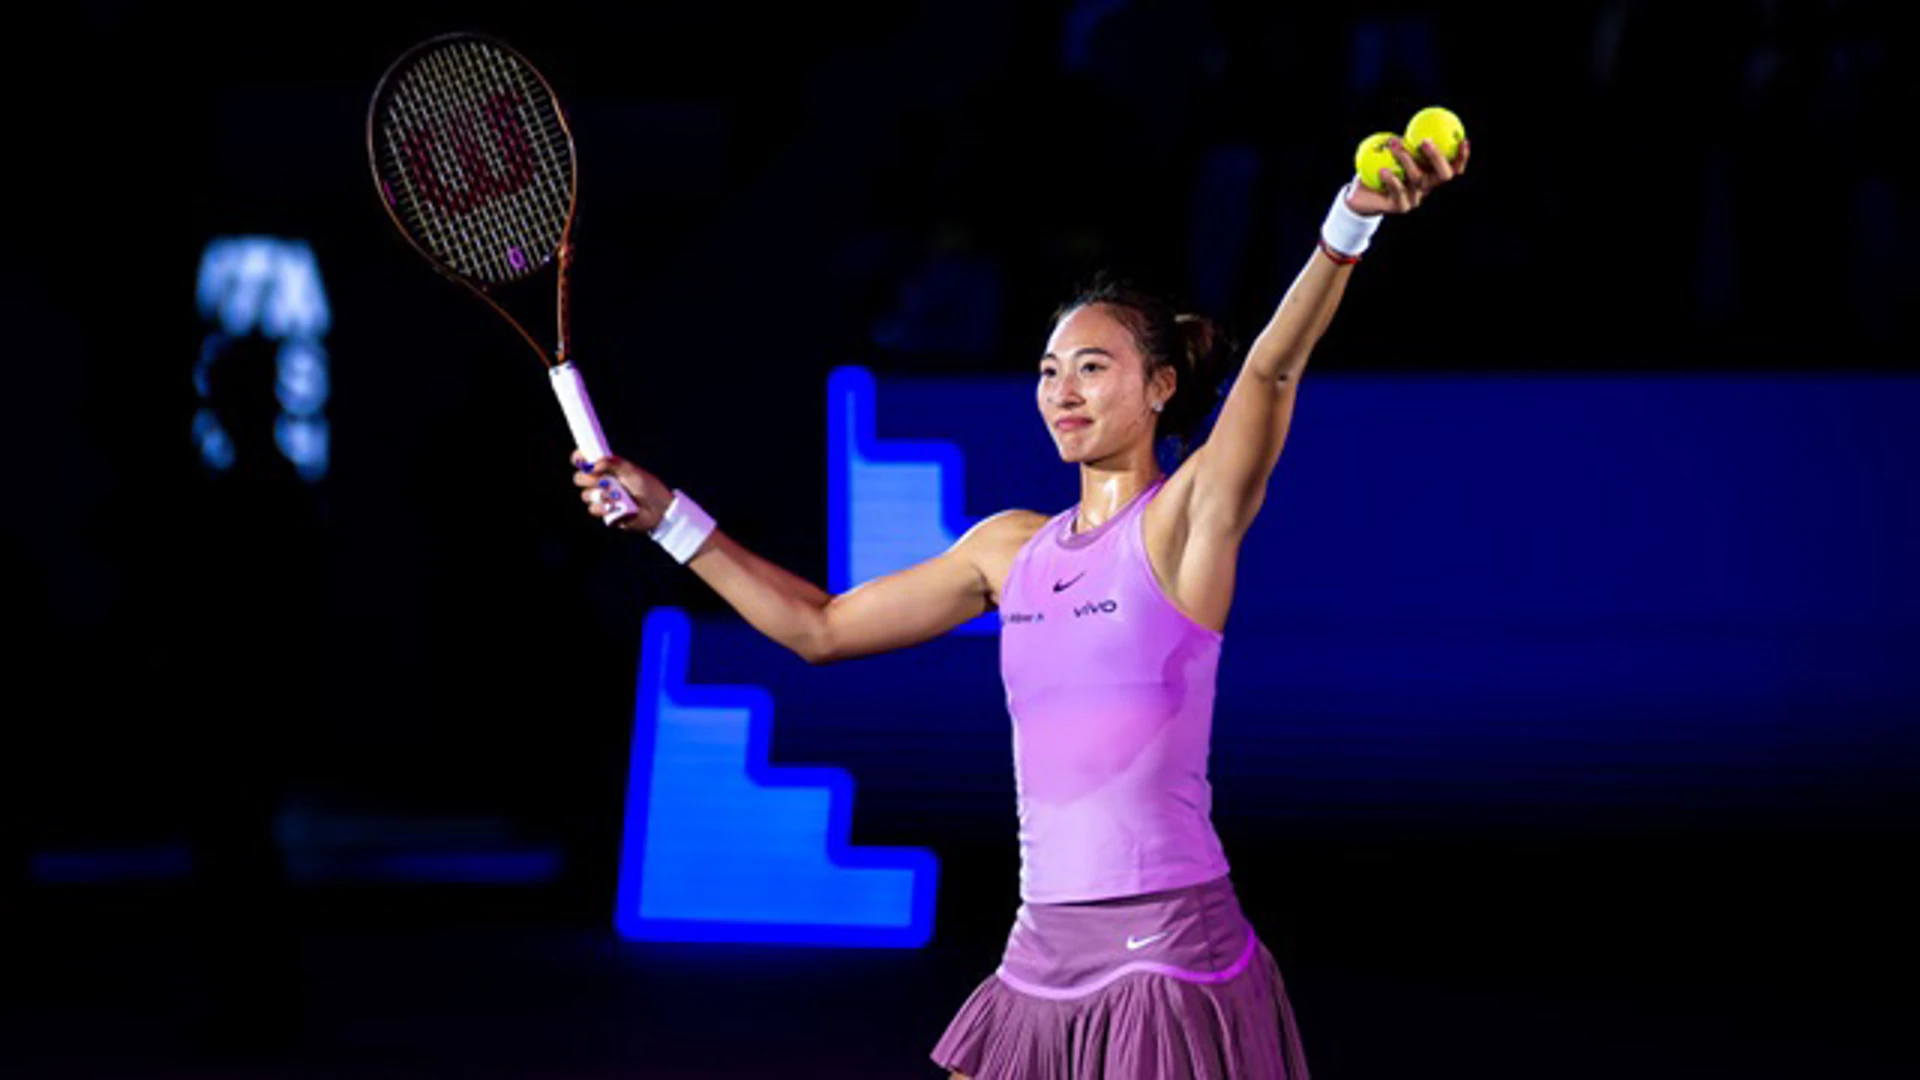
[
  {"x": 1345, "y": 231},
  {"x": 683, "y": 528}
]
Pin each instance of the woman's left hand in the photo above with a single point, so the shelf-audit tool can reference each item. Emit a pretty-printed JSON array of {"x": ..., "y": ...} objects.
[{"x": 1425, "y": 171}]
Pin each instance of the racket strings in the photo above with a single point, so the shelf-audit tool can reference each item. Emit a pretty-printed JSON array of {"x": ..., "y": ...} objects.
[
  {"x": 490, "y": 235},
  {"x": 412, "y": 144},
  {"x": 496, "y": 221},
  {"x": 483, "y": 77},
  {"x": 547, "y": 206},
  {"x": 477, "y": 160},
  {"x": 409, "y": 116}
]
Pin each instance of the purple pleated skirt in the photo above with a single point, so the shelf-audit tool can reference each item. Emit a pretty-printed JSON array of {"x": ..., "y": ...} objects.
[{"x": 1168, "y": 986}]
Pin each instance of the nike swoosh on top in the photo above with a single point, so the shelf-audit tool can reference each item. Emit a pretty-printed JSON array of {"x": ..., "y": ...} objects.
[
  {"x": 1141, "y": 943},
  {"x": 1062, "y": 586}
]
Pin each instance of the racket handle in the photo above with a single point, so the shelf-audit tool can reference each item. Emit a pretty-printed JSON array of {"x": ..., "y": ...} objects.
[{"x": 587, "y": 436}]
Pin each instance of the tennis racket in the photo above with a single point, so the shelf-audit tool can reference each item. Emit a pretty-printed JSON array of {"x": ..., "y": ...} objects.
[{"x": 474, "y": 163}]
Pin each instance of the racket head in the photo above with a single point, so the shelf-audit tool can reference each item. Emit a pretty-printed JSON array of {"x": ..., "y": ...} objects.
[{"x": 472, "y": 158}]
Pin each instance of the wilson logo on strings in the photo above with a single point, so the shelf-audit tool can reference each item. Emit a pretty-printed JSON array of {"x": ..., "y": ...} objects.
[{"x": 433, "y": 155}]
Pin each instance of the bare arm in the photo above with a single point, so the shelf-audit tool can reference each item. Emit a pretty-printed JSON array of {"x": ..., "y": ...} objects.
[
  {"x": 1232, "y": 468},
  {"x": 1230, "y": 472},
  {"x": 891, "y": 612}
]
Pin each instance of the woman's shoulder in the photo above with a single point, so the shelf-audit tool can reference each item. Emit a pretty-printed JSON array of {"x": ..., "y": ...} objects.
[
  {"x": 1006, "y": 529},
  {"x": 994, "y": 543},
  {"x": 997, "y": 540}
]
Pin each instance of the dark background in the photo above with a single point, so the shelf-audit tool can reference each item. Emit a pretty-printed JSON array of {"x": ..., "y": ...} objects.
[{"x": 434, "y": 635}]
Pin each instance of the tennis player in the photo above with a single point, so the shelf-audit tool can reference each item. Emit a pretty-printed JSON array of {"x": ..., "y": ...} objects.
[{"x": 1129, "y": 958}]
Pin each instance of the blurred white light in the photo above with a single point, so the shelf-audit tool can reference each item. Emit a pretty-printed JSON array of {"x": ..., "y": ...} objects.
[
  {"x": 303, "y": 383},
  {"x": 303, "y": 440},
  {"x": 296, "y": 304},
  {"x": 271, "y": 287},
  {"x": 216, "y": 447},
  {"x": 210, "y": 350},
  {"x": 250, "y": 283}
]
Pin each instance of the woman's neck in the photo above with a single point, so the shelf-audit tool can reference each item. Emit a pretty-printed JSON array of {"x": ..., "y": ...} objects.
[{"x": 1106, "y": 491}]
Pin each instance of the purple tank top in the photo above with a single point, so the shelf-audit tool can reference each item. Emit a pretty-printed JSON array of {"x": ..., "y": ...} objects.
[{"x": 1111, "y": 691}]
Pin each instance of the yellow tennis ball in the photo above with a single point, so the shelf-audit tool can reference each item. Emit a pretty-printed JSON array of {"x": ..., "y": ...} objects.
[
  {"x": 1440, "y": 125},
  {"x": 1374, "y": 154}
]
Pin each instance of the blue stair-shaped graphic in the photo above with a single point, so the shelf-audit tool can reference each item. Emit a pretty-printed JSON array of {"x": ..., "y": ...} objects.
[
  {"x": 889, "y": 504},
  {"x": 721, "y": 846}
]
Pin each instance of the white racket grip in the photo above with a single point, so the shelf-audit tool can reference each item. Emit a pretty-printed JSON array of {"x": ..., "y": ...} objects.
[{"x": 571, "y": 389}]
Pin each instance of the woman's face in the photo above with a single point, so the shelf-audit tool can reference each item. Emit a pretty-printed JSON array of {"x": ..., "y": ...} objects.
[{"x": 1094, "y": 395}]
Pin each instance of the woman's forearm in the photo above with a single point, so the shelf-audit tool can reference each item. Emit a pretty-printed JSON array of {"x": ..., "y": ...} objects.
[
  {"x": 780, "y": 604},
  {"x": 1280, "y": 352}
]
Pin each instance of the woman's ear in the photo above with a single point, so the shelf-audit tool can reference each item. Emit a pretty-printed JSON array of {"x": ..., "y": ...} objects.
[{"x": 1160, "y": 388}]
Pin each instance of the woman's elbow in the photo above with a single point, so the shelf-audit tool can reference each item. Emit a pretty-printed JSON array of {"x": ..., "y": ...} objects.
[{"x": 816, "y": 648}]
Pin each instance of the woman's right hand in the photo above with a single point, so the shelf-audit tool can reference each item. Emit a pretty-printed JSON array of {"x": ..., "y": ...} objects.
[{"x": 650, "y": 496}]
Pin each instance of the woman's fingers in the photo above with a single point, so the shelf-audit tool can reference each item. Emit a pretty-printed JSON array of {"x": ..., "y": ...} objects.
[
  {"x": 1437, "y": 166},
  {"x": 1414, "y": 168},
  {"x": 600, "y": 483},
  {"x": 596, "y": 468},
  {"x": 595, "y": 482},
  {"x": 1403, "y": 199}
]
